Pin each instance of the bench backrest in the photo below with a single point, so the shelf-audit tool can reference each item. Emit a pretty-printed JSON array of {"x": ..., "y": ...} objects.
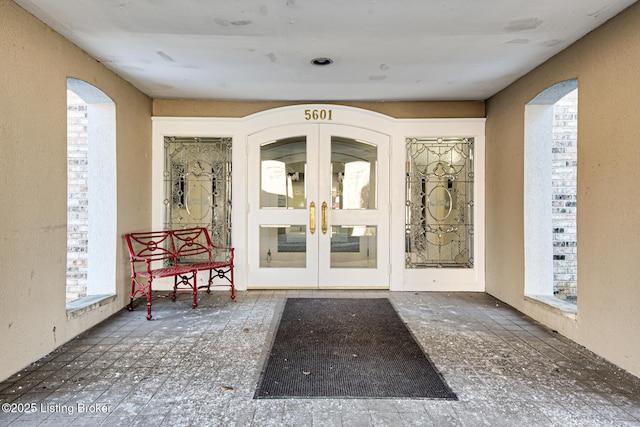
[
  {"x": 170, "y": 245},
  {"x": 151, "y": 245},
  {"x": 191, "y": 242}
]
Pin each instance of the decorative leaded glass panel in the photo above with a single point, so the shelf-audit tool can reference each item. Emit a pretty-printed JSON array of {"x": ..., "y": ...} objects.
[
  {"x": 439, "y": 202},
  {"x": 197, "y": 177}
]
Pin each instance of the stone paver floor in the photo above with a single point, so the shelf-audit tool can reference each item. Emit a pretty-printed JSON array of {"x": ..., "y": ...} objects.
[{"x": 201, "y": 367}]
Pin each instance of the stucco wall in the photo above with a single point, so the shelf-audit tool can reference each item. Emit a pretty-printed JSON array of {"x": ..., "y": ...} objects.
[
  {"x": 399, "y": 110},
  {"x": 606, "y": 64},
  {"x": 34, "y": 65}
]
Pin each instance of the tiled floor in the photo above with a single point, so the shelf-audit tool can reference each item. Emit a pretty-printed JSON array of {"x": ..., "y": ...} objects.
[{"x": 200, "y": 367}]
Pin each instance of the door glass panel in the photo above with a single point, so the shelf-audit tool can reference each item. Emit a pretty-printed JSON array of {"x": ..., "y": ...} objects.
[
  {"x": 354, "y": 246},
  {"x": 353, "y": 174},
  {"x": 197, "y": 184},
  {"x": 283, "y": 246},
  {"x": 439, "y": 203},
  {"x": 283, "y": 166}
]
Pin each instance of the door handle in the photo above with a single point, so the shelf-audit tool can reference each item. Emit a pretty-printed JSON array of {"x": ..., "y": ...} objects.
[
  {"x": 325, "y": 210},
  {"x": 312, "y": 217}
]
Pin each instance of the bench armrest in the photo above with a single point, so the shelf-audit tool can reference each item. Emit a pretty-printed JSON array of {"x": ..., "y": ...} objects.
[
  {"x": 137, "y": 259},
  {"x": 222, "y": 249}
]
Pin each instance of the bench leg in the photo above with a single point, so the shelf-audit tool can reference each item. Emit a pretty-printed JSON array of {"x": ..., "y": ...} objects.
[
  {"x": 149, "y": 298},
  {"x": 210, "y": 281},
  {"x": 185, "y": 280},
  {"x": 195, "y": 289},
  {"x": 143, "y": 290},
  {"x": 233, "y": 286},
  {"x": 175, "y": 288},
  {"x": 222, "y": 273}
]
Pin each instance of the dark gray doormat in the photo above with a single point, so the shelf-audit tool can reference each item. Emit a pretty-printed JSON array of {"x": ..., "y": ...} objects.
[{"x": 347, "y": 348}]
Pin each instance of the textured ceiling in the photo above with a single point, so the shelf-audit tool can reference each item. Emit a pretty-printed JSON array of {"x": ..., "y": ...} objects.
[{"x": 381, "y": 49}]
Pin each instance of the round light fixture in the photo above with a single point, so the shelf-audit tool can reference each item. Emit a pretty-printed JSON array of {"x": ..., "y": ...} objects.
[{"x": 322, "y": 61}]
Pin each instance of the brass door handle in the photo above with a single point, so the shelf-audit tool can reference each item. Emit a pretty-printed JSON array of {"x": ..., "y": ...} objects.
[
  {"x": 312, "y": 217},
  {"x": 325, "y": 212}
]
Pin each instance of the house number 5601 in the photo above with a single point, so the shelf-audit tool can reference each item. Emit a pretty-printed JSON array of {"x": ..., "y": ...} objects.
[{"x": 318, "y": 114}]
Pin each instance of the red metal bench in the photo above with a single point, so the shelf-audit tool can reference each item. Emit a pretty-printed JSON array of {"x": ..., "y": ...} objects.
[{"x": 180, "y": 254}]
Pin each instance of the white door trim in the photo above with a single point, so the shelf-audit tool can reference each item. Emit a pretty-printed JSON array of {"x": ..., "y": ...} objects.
[{"x": 238, "y": 129}]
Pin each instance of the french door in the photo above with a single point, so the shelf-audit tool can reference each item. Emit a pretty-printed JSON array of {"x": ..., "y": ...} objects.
[{"x": 318, "y": 207}]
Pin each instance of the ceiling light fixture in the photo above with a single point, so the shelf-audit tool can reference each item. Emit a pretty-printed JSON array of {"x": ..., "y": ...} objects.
[{"x": 322, "y": 61}]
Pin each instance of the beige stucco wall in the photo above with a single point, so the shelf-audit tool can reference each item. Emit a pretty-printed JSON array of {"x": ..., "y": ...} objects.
[
  {"x": 34, "y": 65},
  {"x": 606, "y": 63},
  {"x": 399, "y": 110}
]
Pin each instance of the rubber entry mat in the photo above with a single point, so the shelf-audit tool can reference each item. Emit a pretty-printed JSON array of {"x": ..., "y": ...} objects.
[{"x": 347, "y": 348}]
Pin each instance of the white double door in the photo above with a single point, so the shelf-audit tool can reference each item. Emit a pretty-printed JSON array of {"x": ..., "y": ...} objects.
[{"x": 318, "y": 207}]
